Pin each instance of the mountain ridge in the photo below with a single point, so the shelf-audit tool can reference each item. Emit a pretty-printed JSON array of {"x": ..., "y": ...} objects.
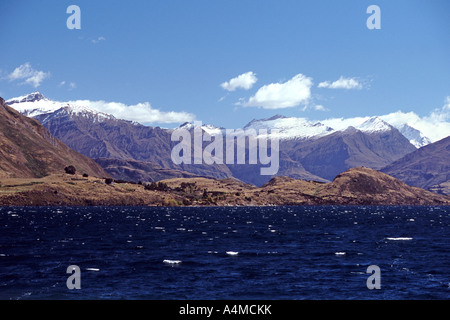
[
  {"x": 27, "y": 149},
  {"x": 427, "y": 167},
  {"x": 310, "y": 150},
  {"x": 24, "y": 104}
]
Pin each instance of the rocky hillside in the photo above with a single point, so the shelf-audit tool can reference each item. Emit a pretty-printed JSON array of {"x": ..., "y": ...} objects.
[{"x": 29, "y": 150}]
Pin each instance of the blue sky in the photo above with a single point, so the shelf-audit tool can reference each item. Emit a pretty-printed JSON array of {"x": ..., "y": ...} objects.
[{"x": 313, "y": 59}]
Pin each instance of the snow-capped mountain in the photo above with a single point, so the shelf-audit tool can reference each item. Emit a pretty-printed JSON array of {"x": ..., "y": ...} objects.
[
  {"x": 290, "y": 128},
  {"x": 36, "y": 104},
  {"x": 380, "y": 124},
  {"x": 28, "y": 150},
  {"x": 414, "y": 136},
  {"x": 313, "y": 150},
  {"x": 33, "y": 104},
  {"x": 208, "y": 128},
  {"x": 301, "y": 128},
  {"x": 32, "y": 97},
  {"x": 374, "y": 125}
]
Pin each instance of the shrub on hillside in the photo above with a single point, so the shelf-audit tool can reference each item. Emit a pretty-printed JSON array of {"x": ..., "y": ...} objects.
[{"x": 70, "y": 170}]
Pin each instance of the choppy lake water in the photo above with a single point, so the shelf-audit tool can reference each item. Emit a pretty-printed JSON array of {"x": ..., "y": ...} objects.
[{"x": 225, "y": 252}]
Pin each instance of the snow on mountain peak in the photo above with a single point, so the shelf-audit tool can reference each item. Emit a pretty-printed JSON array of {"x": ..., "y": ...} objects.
[
  {"x": 35, "y": 104},
  {"x": 208, "y": 128},
  {"x": 291, "y": 128},
  {"x": 32, "y": 97},
  {"x": 374, "y": 124},
  {"x": 85, "y": 111},
  {"x": 415, "y": 137}
]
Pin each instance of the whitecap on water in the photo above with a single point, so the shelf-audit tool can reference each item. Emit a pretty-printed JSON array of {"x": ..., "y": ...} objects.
[
  {"x": 340, "y": 253},
  {"x": 400, "y": 239},
  {"x": 92, "y": 269},
  {"x": 167, "y": 261},
  {"x": 232, "y": 253}
]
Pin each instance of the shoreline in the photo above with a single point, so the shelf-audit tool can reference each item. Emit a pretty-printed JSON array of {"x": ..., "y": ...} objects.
[{"x": 228, "y": 206}]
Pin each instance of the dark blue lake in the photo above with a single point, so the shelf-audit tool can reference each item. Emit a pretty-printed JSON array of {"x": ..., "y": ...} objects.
[{"x": 225, "y": 253}]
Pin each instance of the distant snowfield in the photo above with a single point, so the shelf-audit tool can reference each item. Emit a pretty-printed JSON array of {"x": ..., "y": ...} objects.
[{"x": 420, "y": 131}]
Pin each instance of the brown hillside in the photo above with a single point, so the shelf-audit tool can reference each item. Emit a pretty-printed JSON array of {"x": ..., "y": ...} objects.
[
  {"x": 358, "y": 186},
  {"x": 28, "y": 150},
  {"x": 368, "y": 186}
]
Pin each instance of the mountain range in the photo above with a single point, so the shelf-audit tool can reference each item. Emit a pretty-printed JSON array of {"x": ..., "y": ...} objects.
[
  {"x": 309, "y": 150},
  {"x": 27, "y": 149}
]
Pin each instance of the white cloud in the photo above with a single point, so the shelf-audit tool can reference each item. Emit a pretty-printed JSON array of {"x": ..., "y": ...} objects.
[
  {"x": 342, "y": 123},
  {"x": 95, "y": 41},
  {"x": 71, "y": 85},
  {"x": 30, "y": 75},
  {"x": 222, "y": 98},
  {"x": 141, "y": 112},
  {"x": 244, "y": 81},
  {"x": 316, "y": 107},
  {"x": 291, "y": 93},
  {"x": 342, "y": 83},
  {"x": 320, "y": 107},
  {"x": 435, "y": 126}
]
